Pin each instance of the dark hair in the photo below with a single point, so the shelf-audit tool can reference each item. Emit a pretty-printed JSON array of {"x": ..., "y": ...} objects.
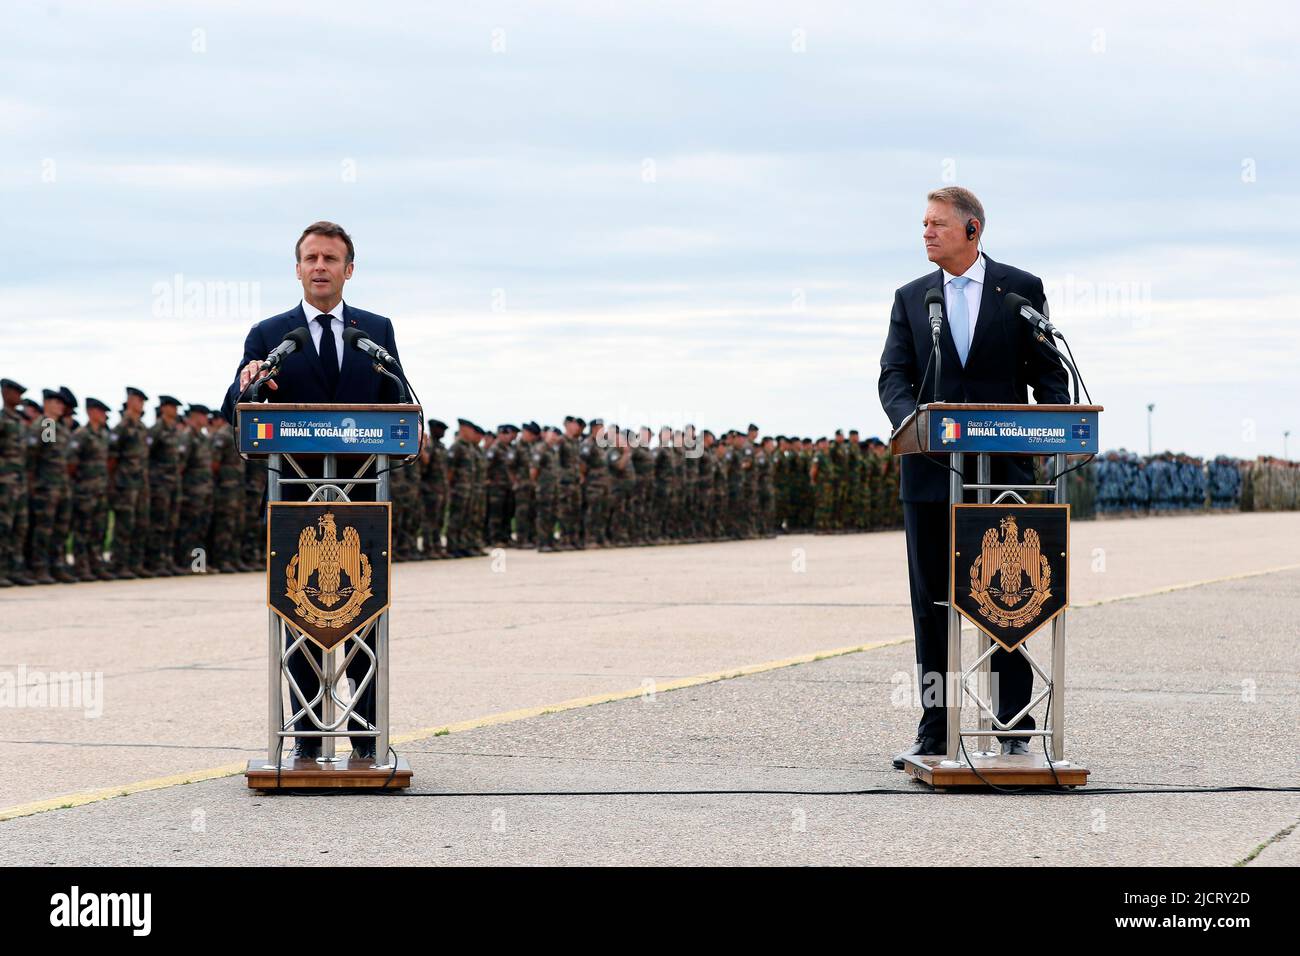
[{"x": 324, "y": 228}]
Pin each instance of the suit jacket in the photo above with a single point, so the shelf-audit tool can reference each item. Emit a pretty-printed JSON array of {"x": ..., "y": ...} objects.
[
  {"x": 1004, "y": 362},
  {"x": 301, "y": 377}
]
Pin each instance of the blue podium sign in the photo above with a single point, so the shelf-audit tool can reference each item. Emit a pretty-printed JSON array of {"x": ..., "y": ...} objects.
[
  {"x": 1024, "y": 431},
  {"x": 268, "y": 429}
]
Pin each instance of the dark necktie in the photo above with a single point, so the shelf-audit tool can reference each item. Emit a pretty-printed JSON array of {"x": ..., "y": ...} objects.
[{"x": 329, "y": 354}]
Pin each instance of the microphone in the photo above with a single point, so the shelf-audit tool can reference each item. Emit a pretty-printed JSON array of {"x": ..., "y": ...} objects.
[
  {"x": 1019, "y": 304},
  {"x": 292, "y": 342},
  {"x": 356, "y": 339},
  {"x": 934, "y": 302}
]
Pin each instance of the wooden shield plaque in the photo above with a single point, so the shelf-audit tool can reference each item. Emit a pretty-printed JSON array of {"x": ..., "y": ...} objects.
[
  {"x": 1010, "y": 567},
  {"x": 328, "y": 565}
]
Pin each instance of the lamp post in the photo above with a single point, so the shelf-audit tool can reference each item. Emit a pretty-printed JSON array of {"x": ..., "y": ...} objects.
[{"x": 1150, "y": 408}]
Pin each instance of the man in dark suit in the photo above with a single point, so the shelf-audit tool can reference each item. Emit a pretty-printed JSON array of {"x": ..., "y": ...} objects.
[
  {"x": 325, "y": 372},
  {"x": 989, "y": 355}
]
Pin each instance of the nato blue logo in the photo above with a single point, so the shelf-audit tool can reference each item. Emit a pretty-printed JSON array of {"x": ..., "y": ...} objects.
[
  {"x": 1082, "y": 432},
  {"x": 399, "y": 432}
]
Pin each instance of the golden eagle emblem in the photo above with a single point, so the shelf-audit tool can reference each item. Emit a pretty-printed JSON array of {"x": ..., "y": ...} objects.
[
  {"x": 331, "y": 561},
  {"x": 1023, "y": 574}
]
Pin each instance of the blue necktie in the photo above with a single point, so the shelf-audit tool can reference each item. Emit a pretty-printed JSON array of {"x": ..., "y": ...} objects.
[
  {"x": 959, "y": 320},
  {"x": 329, "y": 354}
]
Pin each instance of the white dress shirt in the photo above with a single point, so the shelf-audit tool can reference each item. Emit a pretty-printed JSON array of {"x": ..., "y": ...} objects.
[
  {"x": 336, "y": 326},
  {"x": 974, "y": 289}
]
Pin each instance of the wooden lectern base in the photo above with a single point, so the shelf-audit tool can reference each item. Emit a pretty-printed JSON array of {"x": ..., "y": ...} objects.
[
  {"x": 1024, "y": 770},
  {"x": 347, "y": 774}
]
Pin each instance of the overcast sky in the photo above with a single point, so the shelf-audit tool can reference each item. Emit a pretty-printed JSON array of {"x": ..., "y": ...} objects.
[{"x": 659, "y": 212}]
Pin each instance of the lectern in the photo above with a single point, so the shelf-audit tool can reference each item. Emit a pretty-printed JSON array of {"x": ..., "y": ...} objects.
[
  {"x": 1008, "y": 567},
  {"x": 328, "y": 586}
]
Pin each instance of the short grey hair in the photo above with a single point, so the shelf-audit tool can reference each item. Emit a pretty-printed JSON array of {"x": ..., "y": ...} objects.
[{"x": 961, "y": 199}]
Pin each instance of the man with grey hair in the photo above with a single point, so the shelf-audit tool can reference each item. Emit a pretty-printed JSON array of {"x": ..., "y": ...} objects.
[{"x": 989, "y": 355}]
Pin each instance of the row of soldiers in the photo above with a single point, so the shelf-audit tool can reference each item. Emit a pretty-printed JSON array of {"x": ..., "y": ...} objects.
[
  {"x": 175, "y": 497},
  {"x": 174, "y": 494},
  {"x": 1128, "y": 483},
  {"x": 586, "y": 485}
]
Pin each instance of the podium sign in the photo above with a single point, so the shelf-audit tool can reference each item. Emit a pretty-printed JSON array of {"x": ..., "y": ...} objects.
[
  {"x": 328, "y": 566},
  {"x": 1010, "y": 567},
  {"x": 1027, "y": 430},
  {"x": 329, "y": 430}
]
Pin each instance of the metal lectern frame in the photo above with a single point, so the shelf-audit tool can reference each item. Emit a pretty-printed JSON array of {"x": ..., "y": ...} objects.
[
  {"x": 330, "y": 724},
  {"x": 980, "y": 670}
]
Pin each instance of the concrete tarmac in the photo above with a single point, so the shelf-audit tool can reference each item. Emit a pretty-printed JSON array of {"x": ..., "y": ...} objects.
[{"x": 1173, "y": 681}]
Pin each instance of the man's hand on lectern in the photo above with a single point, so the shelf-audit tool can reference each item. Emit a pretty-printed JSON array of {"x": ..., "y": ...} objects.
[{"x": 250, "y": 372}]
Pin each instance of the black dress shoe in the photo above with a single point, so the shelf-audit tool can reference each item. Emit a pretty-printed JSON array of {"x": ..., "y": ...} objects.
[
  {"x": 1013, "y": 747},
  {"x": 928, "y": 746},
  {"x": 305, "y": 752},
  {"x": 364, "y": 750}
]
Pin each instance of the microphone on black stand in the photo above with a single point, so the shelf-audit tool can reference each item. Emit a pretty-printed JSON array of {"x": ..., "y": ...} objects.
[
  {"x": 934, "y": 302},
  {"x": 355, "y": 338},
  {"x": 1045, "y": 332},
  {"x": 293, "y": 341}
]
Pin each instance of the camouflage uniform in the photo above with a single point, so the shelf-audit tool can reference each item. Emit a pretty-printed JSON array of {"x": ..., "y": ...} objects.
[
  {"x": 253, "y": 547},
  {"x": 824, "y": 490},
  {"x": 497, "y": 461},
  {"x": 545, "y": 477},
  {"x": 763, "y": 468},
  {"x": 128, "y": 451},
  {"x": 48, "y": 443},
  {"x": 166, "y": 448},
  {"x": 227, "y": 501},
  {"x": 88, "y": 453},
  {"x": 643, "y": 464},
  {"x": 596, "y": 490},
  {"x": 13, "y": 491},
  {"x": 519, "y": 466},
  {"x": 664, "y": 490},
  {"x": 568, "y": 506},
  {"x": 196, "y": 490},
  {"x": 460, "y": 478},
  {"x": 623, "y": 494},
  {"x": 433, "y": 492}
]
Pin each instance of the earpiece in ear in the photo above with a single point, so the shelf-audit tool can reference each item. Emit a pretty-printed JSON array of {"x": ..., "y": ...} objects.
[{"x": 970, "y": 228}]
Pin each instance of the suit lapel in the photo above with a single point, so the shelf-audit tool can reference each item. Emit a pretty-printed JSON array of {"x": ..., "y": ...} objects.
[
  {"x": 991, "y": 296},
  {"x": 354, "y": 361}
]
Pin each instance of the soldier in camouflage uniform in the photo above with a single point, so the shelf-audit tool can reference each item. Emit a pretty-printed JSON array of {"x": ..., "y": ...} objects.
[
  {"x": 643, "y": 469},
  {"x": 128, "y": 483},
  {"x": 460, "y": 490},
  {"x": 196, "y": 491},
  {"x": 404, "y": 493},
  {"x": 165, "y": 439},
  {"x": 622, "y": 488},
  {"x": 662, "y": 503},
  {"x": 88, "y": 454},
  {"x": 433, "y": 489},
  {"x": 252, "y": 551},
  {"x": 568, "y": 505},
  {"x": 13, "y": 485},
  {"x": 227, "y": 526},
  {"x": 822, "y": 476},
  {"x": 47, "y": 448},
  {"x": 522, "y": 491},
  {"x": 478, "y": 512},
  {"x": 497, "y": 461},
  {"x": 595, "y": 485},
  {"x": 765, "y": 465},
  {"x": 543, "y": 453},
  {"x": 715, "y": 486}
]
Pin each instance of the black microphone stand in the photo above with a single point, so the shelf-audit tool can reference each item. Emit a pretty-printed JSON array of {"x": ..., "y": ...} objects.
[{"x": 402, "y": 396}]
